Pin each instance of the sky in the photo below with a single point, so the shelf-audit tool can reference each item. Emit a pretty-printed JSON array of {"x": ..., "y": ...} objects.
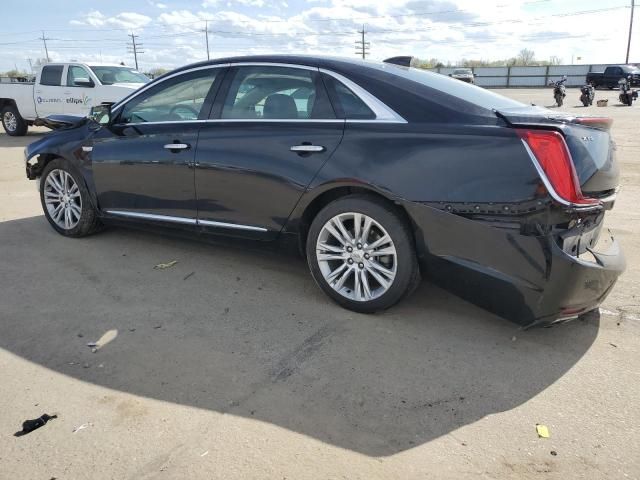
[{"x": 172, "y": 31}]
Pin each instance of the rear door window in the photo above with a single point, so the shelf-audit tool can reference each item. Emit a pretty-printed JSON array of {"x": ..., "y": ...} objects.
[
  {"x": 51, "y": 75},
  {"x": 276, "y": 93}
]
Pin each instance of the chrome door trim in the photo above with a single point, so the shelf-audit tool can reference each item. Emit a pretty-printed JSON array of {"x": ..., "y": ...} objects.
[
  {"x": 236, "y": 226},
  {"x": 184, "y": 220},
  {"x": 383, "y": 113},
  {"x": 153, "y": 216}
]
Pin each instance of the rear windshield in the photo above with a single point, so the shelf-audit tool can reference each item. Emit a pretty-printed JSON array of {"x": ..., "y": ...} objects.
[
  {"x": 631, "y": 69},
  {"x": 464, "y": 91},
  {"x": 462, "y": 71}
]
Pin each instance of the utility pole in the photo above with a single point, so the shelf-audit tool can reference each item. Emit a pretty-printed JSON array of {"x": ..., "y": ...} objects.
[
  {"x": 30, "y": 65},
  {"x": 135, "y": 48},
  {"x": 633, "y": 4},
  {"x": 206, "y": 36},
  {"x": 362, "y": 47},
  {"x": 46, "y": 50}
]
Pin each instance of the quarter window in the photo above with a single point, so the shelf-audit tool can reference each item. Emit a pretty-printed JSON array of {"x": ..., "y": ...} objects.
[
  {"x": 285, "y": 93},
  {"x": 352, "y": 106},
  {"x": 51, "y": 75},
  {"x": 174, "y": 100},
  {"x": 75, "y": 73}
]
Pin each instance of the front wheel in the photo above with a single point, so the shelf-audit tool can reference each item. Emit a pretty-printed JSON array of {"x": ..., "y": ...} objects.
[
  {"x": 559, "y": 100},
  {"x": 360, "y": 252},
  {"x": 65, "y": 200},
  {"x": 13, "y": 122},
  {"x": 584, "y": 100}
]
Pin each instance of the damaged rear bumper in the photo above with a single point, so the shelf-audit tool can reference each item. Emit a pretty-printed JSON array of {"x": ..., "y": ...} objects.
[{"x": 528, "y": 279}]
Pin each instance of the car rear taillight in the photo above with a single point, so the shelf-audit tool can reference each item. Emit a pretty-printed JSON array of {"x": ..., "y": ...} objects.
[{"x": 552, "y": 154}]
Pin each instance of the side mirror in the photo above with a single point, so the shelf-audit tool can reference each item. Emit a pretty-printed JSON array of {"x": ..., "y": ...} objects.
[
  {"x": 83, "y": 82},
  {"x": 101, "y": 114}
]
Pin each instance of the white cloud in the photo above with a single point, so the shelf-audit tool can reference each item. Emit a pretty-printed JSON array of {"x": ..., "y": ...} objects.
[{"x": 124, "y": 20}]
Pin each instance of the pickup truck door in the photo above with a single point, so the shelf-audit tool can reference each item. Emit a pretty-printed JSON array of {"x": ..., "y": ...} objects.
[
  {"x": 79, "y": 92},
  {"x": 48, "y": 91}
]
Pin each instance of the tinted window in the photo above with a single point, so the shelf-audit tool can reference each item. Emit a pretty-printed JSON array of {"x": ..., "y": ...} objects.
[
  {"x": 264, "y": 92},
  {"x": 177, "y": 99},
  {"x": 51, "y": 75},
  {"x": 352, "y": 106},
  {"x": 76, "y": 73}
]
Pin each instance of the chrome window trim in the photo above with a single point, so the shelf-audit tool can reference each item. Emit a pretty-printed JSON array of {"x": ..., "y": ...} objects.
[
  {"x": 274, "y": 64},
  {"x": 184, "y": 220},
  {"x": 126, "y": 100},
  {"x": 550, "y": 188},
  {"x": 382, "y": 112},
  {"x": 239, "y": 120}
]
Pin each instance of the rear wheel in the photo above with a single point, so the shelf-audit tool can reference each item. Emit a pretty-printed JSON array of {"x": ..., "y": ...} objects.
[
  {"x": 585, "y": 100},
  {"x": 559, "y": 100},
  {"x": 65, "y": 200},
  {"x": 361, "y": 253},
  {"x": 13, "y": 122}
]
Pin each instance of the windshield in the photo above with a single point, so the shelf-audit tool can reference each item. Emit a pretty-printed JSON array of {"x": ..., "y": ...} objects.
[
  {"x": 111, "y": 75},
  {"x": 631, "y": 69},
  {"x": 462, "y": 71}
]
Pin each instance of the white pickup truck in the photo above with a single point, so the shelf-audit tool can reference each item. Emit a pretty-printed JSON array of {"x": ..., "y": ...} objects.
[{"x": 64, "y": 89}]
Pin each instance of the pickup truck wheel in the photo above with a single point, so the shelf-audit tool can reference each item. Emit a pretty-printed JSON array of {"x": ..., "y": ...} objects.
[
  {"x": 13, "y": 122},
  {"x": 65, "y": 200}
]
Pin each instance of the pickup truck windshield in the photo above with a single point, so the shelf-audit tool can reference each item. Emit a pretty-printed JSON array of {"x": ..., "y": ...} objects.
[{"x": 111, "y": 75}]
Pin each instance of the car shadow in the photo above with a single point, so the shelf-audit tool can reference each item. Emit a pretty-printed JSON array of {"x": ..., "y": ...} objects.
[{"x": 248, "y": 333}]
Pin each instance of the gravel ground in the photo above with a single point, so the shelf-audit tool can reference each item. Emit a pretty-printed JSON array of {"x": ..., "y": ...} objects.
[{"x": 233, "y": 365}]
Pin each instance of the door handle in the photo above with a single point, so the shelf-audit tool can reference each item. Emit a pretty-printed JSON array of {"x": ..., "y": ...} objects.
[
  {"x": 177, "y": 146},
  {"x": 307, "y": 148}
]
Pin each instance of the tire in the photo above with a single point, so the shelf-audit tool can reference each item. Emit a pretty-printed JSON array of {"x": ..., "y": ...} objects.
[
  {"x": 13, "y": 122},
  {"x": 559, "y": 100},
  {"x": 57, "y": 189},
  {"x": 366, "y": 294},
  {"x": 584, "y": 100}
]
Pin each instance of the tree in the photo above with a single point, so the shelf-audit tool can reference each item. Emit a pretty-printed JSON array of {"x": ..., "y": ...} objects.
[
  {"x": 156, "y": 72},
  {"x": 553, "y": 60},
  {"x": 526, "y": 57}
]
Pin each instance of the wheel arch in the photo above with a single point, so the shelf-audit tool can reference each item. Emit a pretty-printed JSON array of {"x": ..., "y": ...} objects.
[{"x": 320, "y": 197}]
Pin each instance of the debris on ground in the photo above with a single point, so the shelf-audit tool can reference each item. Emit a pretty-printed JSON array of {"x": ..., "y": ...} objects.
[
  {"x": 162, "y": 266},
  {"x": 205, "y": 453},
  {"x": 108, "y": 337},
  {"x": 543, "y": 431},
  {"x": 554, "y": 453},
  {"x": 613, "y": 344},
  {"x": 29, "y": 426},
  {"x": 82, "y": 427},
  {"x": 189, "y": 275}
]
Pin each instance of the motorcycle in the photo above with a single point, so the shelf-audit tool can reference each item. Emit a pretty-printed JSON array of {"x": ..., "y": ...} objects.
[
  {"x": 559, "y": 90},
  {"x": 627, "y": 94},
  {"x": 588, "y": 94}
]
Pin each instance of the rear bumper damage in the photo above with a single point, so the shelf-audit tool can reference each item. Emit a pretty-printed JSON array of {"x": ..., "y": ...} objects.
[{"x": 528, "y": 279}]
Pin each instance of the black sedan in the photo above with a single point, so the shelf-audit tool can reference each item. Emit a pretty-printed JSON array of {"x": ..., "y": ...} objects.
[{"x": 375, "y": 172}]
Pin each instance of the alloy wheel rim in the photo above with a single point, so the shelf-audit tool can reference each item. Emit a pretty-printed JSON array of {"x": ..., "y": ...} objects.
[
  {"x": 62, "y": 199},
  {"x": 10, "y": 121},
  {"x": 356, "y": 256}
]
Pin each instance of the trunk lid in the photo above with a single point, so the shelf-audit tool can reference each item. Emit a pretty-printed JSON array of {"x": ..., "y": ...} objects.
[{"x": 592, "y": 150}]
